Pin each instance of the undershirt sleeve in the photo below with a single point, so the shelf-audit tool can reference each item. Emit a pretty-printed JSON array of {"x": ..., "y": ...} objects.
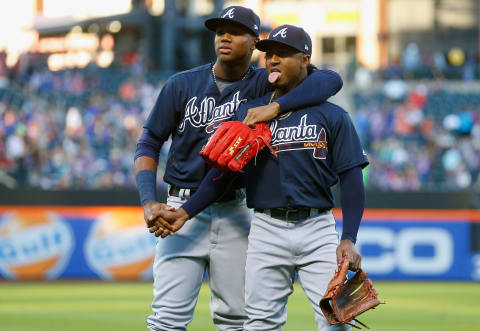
[
  {"x": 352, "y": 197},
  {"x": 210, "y": 190}
]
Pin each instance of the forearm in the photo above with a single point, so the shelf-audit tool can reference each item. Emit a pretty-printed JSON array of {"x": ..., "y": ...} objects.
[
  {"x": 210, "y": 190},
  {"x": 146, "y": 162},
  {"x": 352, "y": 197},
  {"x": 146, "y": 179}
]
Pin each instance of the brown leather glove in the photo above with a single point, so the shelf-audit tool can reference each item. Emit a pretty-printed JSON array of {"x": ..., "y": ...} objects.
[{"x": 345, "y": 299}]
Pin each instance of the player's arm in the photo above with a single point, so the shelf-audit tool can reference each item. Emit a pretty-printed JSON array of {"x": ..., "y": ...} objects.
[
  {"x": 146, "y": 162},
  {"x": 315, "y": 89},
  {"x": 348, "y": 161},
  {"x": 352, "y": 197},
  {"x": 213, "y": 185},
  {"x": 158, "y": 127}
]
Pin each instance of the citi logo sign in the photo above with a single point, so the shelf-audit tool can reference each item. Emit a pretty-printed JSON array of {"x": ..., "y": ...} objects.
[{"x": 282, "y": 33}]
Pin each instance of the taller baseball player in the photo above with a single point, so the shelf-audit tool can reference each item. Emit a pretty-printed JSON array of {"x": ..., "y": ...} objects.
[
  {"x": 189, "y": 108},
  {"x": 293, "y": 229}
]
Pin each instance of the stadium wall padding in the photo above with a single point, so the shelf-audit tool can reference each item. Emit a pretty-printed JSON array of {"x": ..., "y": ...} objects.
[
  {"x": 123, "y": 197},
  {"x": 112, "y": 243}
]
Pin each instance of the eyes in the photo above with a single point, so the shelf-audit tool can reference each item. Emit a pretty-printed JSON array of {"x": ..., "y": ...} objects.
[
  {"x": 231, "y": 30},
  {"x": 280, "y": 53}
]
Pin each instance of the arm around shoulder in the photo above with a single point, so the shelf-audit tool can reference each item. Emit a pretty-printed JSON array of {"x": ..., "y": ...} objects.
[{"x": 315, "y": 89}]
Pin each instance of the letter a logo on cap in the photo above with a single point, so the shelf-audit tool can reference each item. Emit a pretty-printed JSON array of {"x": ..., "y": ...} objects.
[
  {"x": 229, "y": 13},
  {"x": 282, "y": 33}
]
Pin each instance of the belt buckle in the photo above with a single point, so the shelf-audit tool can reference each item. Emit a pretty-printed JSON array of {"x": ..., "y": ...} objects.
[{"x": 287, "y": 214}]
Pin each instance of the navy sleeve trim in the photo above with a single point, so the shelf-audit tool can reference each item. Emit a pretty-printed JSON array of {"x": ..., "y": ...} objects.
[
  {"x": 362, "y": 164},
  {"x": 148, "y": 145}
]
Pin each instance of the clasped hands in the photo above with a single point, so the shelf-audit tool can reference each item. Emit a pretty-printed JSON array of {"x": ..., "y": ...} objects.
[{"x": 163, "y": 220}]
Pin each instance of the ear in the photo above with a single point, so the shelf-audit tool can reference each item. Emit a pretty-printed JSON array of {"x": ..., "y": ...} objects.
[
  {"x": 305, "y": 60},
  {"x": 255, "y": 41}
]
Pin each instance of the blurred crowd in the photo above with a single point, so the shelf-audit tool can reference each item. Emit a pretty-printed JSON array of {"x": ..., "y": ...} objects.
[
  {"x": 77, "y": 128},
  {"x": 419, "y": 137},
  {"x": 416, "y": 64},
  {"x": 72, "y": 129}
]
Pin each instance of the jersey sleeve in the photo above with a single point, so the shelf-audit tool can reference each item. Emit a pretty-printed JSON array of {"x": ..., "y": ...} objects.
[
  {"x": 347, "y": 151},
  {"x": 165, "y": 115},
  {"x": 315, "y": 89}
]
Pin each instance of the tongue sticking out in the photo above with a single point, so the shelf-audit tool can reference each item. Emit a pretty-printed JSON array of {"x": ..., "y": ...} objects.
[{"x": 273, "y": 77}]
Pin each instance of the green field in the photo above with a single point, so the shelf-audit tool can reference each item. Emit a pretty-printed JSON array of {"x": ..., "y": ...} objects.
[{"x": 65, "y": 306}]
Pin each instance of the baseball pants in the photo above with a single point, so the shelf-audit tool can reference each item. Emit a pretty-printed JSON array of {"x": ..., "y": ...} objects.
[
  {"x": 276, "y": 250},
  {"x": 215, "y": 240}
]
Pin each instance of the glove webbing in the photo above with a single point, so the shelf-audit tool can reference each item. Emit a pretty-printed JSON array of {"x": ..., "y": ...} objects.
[{"x": 246, "y": 147}]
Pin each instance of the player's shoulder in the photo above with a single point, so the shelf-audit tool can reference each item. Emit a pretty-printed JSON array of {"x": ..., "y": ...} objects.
[
  {"x": 332, "y": 109},
  {"x": 332, "y": 113},
  {"x": 261, "y": 101},
  {"x": 258, "y": 74},
  {"x": 259, "y": 71}
]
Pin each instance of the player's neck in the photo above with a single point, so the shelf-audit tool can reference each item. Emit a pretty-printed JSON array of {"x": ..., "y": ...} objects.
[{"x": 231, "y": 71}]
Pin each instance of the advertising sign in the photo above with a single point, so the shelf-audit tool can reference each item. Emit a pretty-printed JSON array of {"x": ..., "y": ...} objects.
[{"x": 113, "y": 243}]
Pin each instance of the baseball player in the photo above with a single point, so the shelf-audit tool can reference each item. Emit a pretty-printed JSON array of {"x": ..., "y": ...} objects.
[
  {"x": 189, "y": 108},
  {"x": 293, "y": 229}
]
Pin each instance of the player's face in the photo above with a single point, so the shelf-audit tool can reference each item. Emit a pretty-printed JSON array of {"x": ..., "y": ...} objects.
[
  {"x": 233, "y": 42},
  {"x": 288, "y": 62}
]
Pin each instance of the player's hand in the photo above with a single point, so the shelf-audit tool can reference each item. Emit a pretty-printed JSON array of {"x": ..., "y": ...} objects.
[
  {"x": 151, "y": 211},
  {"x": 169, "y": 222},
  {"x": 347, "y": 248},
  {"x": 262, "y": 114}
]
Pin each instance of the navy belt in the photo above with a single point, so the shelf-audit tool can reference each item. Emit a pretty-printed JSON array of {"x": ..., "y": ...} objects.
[
  {"x": 185, "y": 193},
  {"x": 292, "y": 214}
]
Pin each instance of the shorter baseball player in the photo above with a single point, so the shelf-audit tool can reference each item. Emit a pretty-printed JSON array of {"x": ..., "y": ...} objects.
[{"x": 293, "y": 230}]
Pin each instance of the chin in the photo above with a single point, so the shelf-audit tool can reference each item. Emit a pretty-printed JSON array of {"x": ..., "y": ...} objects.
[
  {"x": 279, "y": 85},
  {"x": 224, "y": 57}
]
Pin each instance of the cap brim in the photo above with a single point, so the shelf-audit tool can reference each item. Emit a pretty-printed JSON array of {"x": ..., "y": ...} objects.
[
  {"x": 267, "y": 44},
  {"x": 213, "y": 23}
]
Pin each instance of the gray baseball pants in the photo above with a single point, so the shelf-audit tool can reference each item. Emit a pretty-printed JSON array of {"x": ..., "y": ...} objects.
[
  {"x": 215, "y": 240},
  {"x": 276, "y": 250}
]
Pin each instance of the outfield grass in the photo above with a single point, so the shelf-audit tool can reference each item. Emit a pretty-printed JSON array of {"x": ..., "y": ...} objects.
[{"x": 72, "y": 306}]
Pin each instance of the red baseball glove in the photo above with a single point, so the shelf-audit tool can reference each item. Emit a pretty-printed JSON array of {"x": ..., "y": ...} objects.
[
  {"x": 234, "y": 144},
  {"x": 345, "y": 299}
]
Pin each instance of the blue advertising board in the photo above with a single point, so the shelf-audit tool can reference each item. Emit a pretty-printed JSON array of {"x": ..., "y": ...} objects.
[{"x": 112, "y": 243}]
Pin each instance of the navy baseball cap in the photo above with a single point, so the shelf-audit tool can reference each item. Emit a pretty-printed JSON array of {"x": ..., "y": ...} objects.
[
  {"x": 236, "y": 14},
  {"x": 289, "y": 35}
]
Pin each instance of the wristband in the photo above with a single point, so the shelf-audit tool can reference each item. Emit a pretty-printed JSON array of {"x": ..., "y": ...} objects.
[{"x": 147, "y": 186}]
